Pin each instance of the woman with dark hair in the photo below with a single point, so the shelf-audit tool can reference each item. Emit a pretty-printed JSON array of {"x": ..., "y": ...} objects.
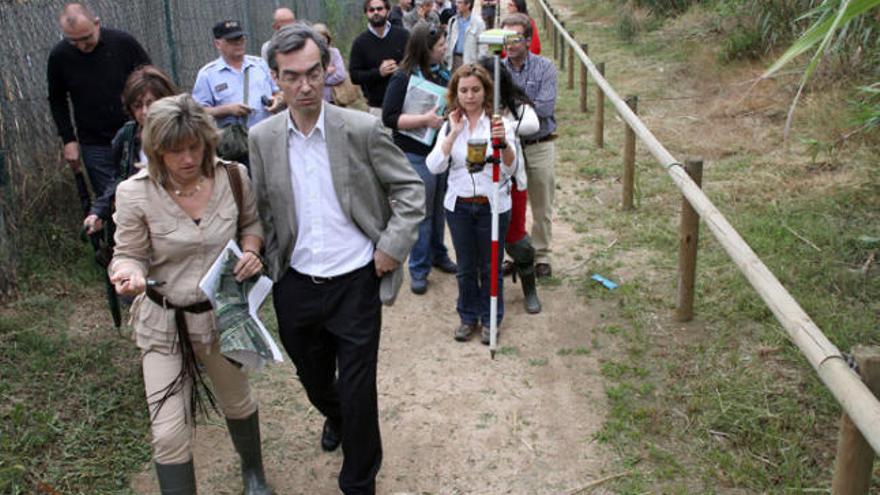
[
  {"x": 173, "y": 219},
  {"x": 520, "y": 7},
  {"x": 421, "y": 62},
  {"x": 143, "y": 86},
  {"x": 516, "y": 106},
  {"x": 469, "y": 202}
]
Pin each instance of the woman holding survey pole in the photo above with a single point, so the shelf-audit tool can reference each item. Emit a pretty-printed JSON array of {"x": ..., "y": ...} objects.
[
  {"x": 173, "y": 219},
  {"x": 420, "y": 78},
  {"x": 464, "y": 150}
]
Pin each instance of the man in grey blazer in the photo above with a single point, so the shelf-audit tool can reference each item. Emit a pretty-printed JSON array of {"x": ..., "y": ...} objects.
[{"x": 340, "y": 207}]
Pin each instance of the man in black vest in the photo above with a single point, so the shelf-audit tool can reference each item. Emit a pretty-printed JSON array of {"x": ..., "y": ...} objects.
[
  {"x": 90, "y": 67},
  {"x": 375, "y": 54}
]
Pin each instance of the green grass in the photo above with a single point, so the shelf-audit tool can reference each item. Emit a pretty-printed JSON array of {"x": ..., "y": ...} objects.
[
  {"x": 726, "y": 403},
  {"x": 73, "y": 417}
]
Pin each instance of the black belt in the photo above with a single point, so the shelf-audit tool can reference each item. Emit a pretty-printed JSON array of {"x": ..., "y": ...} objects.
[
  {"x": 189, "y": 369},
  {"x": 324, "y": 280},
  {"x": 547, "y": 138},
  {"x": 199, "y": 307}
]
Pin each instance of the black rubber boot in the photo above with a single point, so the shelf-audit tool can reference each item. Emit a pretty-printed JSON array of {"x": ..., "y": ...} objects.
[
  {"x": 523, "y": 255},
  {"x": 245, "y": 435},
  {"x": 176, "y": 479}
]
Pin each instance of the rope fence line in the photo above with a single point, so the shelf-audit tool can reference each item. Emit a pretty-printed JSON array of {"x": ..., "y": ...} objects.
[{"x": 854, "y": 396}]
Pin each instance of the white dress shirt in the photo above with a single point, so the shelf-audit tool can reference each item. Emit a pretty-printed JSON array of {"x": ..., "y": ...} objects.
[
  {"x": 376, "y": 34},
  {"x": 461, "y": 182},
  {"x": 328, "y": 243}
]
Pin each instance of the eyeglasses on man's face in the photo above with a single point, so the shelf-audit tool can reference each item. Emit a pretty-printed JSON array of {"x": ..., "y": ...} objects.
[
  {"x": 312, "y": 77},
  {"x": 370, "y": 10}
]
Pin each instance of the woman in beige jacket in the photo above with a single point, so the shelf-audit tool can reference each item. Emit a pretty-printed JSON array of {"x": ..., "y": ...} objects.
[{"x": 173, "y": 219}]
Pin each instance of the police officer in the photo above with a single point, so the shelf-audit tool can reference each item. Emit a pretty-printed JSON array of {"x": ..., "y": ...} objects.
[{"x": 219, "y": 85}]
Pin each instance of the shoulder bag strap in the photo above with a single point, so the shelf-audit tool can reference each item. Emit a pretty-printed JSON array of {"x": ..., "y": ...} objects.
[
  {"x": 246, "y": 88},
  {"x": 235, "y": 184}
]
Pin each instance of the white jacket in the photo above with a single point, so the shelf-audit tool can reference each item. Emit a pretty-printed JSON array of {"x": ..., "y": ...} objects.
[
  {"x": 472, "y": 51},
  {"x": 525, "y": 126}
]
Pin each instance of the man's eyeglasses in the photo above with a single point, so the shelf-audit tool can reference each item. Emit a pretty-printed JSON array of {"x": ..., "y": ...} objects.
[
  {"x": 313, "y": 77},
  {"x": 370, "y": 10}
]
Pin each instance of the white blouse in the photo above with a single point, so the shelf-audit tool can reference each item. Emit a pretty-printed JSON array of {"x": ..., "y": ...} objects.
[{"x": 461, "y": 182}]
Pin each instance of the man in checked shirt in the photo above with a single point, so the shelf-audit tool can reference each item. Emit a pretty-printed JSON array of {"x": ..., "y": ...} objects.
[{"x": 536, "y": 75}]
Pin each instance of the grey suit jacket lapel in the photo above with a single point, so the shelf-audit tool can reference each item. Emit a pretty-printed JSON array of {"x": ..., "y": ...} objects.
[
  {"x": 337, "y": 153},
  {"x": 281, "y": 173}
]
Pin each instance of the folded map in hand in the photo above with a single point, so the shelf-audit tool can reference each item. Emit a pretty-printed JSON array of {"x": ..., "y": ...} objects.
[{"x": 243, "y": 337}]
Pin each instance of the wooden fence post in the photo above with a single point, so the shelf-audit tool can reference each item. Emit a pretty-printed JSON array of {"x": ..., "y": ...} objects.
[
  {"x": 600, "y": 109},
  {"x": 688, "y": 238},
  {"x": 562, "y": 47},
  {"x": 629, "y": 156},
  {"x": 855, "y": 457},
  {"x": 555, "y": 39},
  {"x": 570, "y": 67},
  {"x": 584, "y": 73}
]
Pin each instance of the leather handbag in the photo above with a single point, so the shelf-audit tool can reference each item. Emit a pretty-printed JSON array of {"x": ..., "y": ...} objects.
[
  {"x": 345, "y": 93},
  {"x": 233, "y": 145}
]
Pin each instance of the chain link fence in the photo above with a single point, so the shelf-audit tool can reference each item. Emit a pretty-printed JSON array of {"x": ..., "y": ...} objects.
[{"x": 36, "y": 188}]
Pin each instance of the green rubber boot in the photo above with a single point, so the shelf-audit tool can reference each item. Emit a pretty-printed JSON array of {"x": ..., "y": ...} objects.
[
  {"x": 523, "y": 255},
  {"x": 176, "y": 479},
  {"x": 245, "y": 435}
]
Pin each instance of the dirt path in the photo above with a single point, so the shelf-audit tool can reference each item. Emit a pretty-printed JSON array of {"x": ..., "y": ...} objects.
[{"x": 453, "y": 421}]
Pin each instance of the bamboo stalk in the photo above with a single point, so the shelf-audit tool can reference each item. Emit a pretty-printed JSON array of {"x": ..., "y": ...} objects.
[{"x": 688, "y": 238}]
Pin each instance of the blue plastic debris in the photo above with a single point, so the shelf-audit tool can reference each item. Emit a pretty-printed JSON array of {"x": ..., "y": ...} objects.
[{"x": 604, "y": 281}]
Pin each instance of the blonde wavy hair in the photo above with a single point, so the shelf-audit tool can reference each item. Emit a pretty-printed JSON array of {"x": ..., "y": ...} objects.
[{"x": 172, "y": 122}]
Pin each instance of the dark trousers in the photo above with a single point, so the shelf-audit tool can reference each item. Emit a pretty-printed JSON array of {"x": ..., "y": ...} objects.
[
  {"x": 100, "y": 167},
  {"x": 323, "y": 324}
]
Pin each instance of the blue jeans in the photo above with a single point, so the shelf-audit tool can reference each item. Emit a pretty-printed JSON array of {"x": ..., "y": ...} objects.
[
  {"x": 428, "y": 245},
  {"x": 98, "y": 160},
  {"x": 471, "y": 228},
  {"x": 438, "y": 221}
]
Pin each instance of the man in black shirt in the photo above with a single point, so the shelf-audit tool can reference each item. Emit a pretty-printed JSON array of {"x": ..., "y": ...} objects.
[
  {"x": 90, "y": 67},
  {"x": 375, "y": 54}
]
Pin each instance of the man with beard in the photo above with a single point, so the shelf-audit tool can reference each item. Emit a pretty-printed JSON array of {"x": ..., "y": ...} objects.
[{"x": 375, "y": 54}]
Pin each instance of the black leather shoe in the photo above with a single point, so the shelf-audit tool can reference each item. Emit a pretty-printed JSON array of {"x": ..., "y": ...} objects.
[
  {"x": 446, "y": 265},
  {"x": 330, "y": 438},
  {"x": 543, "y": 270}
]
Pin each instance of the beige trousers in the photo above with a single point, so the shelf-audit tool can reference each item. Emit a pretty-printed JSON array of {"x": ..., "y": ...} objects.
[
  {"x": 172, "y": 429},
  {"x": 541, "y": 175}
]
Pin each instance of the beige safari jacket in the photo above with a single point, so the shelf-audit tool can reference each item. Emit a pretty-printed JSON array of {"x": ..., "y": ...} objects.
[{"x": 153, "y": 231}]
